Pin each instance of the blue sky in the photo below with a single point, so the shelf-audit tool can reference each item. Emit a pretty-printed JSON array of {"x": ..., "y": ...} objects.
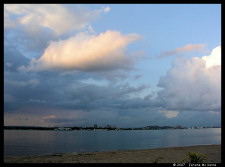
[{"x": 127, "y": 65}]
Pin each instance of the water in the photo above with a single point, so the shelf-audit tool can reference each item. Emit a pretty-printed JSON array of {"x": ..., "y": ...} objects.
[{"x": 37, "y": 142}]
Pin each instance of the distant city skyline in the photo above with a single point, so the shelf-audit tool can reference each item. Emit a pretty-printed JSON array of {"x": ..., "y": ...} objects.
[
  {"x": 129, "y": 65},
  {"x": 107, "y": 127}
]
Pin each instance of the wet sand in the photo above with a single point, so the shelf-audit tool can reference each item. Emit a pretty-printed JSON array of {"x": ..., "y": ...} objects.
[{"x": 168, "y": 155}]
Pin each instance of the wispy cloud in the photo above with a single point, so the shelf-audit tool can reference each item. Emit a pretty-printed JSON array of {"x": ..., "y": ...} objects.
[{"x": 186, "y": 48}]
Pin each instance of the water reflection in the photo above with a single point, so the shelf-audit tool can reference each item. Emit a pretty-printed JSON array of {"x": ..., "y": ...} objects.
[{"x": 31, "y": 142}]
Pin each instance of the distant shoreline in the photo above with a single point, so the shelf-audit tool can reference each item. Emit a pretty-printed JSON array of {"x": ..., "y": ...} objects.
[
  {"x": 168, "y": 155},
  {"x": 100, "y": 128}
]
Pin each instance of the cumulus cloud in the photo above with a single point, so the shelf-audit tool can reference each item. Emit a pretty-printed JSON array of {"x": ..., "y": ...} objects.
[
  {"x": 186, "y": 48},
  {"x": 214, "y": 59},
  {"x": 32, "y": 26},
  {"x": 193, "y": 84},
  {"x": 56, "y": 17},
  {"x": 87, "y": 52}
]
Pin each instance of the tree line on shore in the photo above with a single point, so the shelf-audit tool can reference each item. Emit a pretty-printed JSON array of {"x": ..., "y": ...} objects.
[{"x": 108, "y": 127}]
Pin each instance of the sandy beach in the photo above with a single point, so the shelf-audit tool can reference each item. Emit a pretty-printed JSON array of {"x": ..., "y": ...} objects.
[{"x": 168, "y": 155}]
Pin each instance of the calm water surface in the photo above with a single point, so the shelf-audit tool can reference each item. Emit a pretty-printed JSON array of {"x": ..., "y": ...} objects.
[{"x": 34, "y": 142}]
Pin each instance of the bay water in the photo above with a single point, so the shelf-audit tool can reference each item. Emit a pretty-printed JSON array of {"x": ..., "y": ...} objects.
[{"x": 44, "y": 142}]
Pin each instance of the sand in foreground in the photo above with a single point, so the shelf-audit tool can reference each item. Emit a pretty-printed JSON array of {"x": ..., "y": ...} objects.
[{"x": 169, "y": 155}]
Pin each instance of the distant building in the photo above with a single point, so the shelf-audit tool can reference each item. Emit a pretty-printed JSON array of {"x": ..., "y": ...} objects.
[
  {"x": 95, "y": 126},
  {"x": 62, "y": 128},
  {"x": 178, "y": 127},
  {"x": 108, "y": 126}
]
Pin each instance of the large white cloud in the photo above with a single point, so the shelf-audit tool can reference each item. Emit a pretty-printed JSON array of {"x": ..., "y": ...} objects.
[
  {"x": 56, "y": 17},
  {"x": 214, "y": 59},
  {"x": 87, "y": 52},
  {"x": 193, "y": 84}
]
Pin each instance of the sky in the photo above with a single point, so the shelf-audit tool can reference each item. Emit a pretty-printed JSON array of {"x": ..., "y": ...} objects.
[{"x": 127, "y": 65}]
